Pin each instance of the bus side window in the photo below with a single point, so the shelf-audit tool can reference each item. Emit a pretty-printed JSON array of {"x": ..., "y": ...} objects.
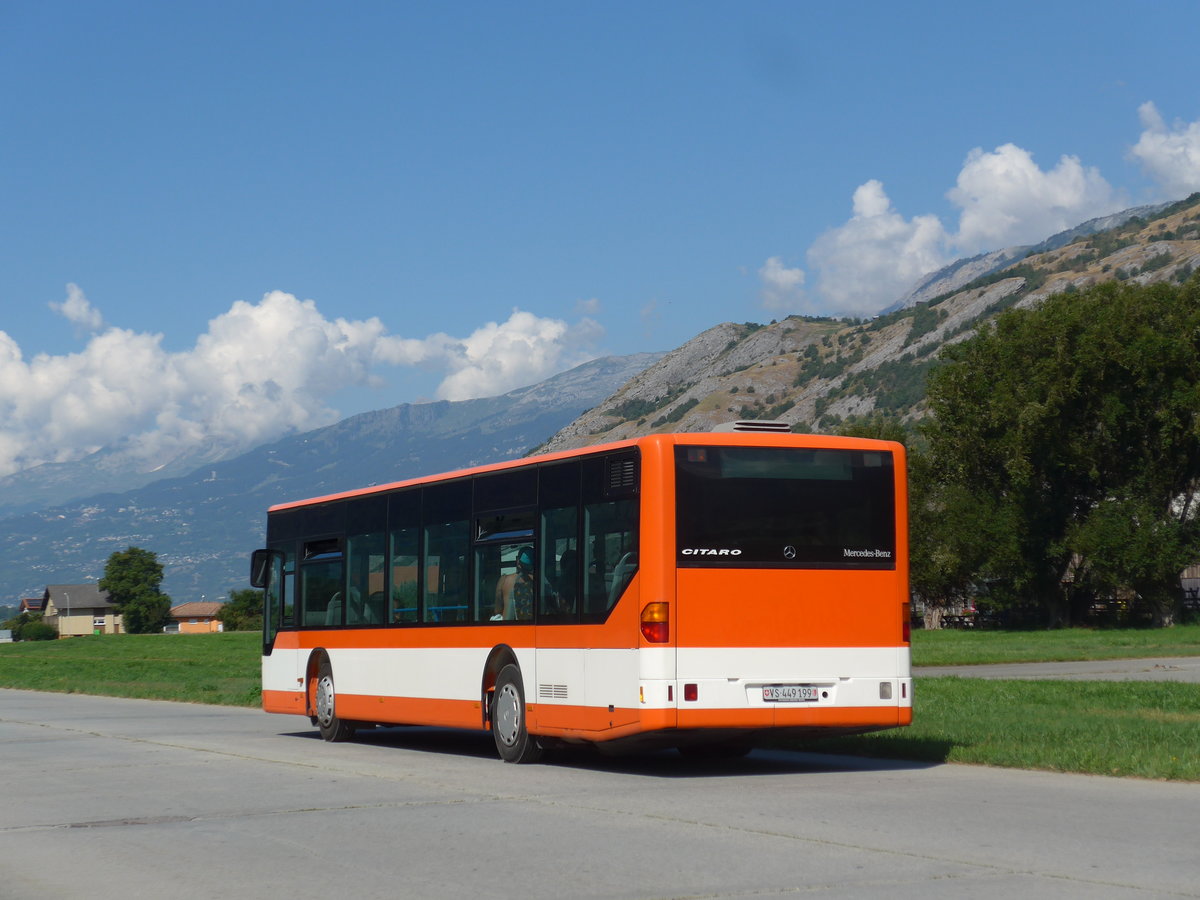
[
  {"x": 322, "y": 583},
  {"x": 280, "y": 598},
  {"x": 487, "y": 583},
  {"x": 505, "y": 576},
  {"x": 610, "y": 553},
  {"x": 446, "y": 571},
  {"x": 366, "y": 601},
  {"x": 404, "y": 522},
  {"x": 405, "y": 581},
  {"x": 446, "y": 551},
  {"x": 366, "y": 526},
  {"x": 560, "y": 564},
  {"x": 275, "y": 599}
]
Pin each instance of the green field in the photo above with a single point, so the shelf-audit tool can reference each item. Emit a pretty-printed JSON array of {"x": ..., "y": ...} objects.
[
  {"x": 1143, "y": 729},
  {"x": 192, "y": 668},
  {"x": 950, "y": 647}
]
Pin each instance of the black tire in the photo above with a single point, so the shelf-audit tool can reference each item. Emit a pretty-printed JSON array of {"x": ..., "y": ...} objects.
[
  {"x": 513, "y": 741},
  {"x": 332, "y": 728}
]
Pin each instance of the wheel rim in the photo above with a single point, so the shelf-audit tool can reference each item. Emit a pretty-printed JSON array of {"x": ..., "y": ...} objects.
[
  {"x": 506, "y": 714},
  {"x": 325, "y": 700}
]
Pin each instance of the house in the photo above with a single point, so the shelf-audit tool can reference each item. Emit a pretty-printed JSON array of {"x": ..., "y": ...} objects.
[
  {"x": 78, "y": 609},
  {"x": 195, "y": 617},
  {"x": 32, "y": 605}
]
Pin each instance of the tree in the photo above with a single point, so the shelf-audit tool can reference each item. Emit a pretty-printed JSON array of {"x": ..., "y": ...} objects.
[
  {"x": 131, "y": 579},
  {"x": 1064, "y": 449},
  {"x": 28, "y": 626},
  {"x": 243, "y": 611}
]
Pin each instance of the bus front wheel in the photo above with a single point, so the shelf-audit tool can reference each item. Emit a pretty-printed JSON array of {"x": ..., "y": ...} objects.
[
  {"x": 332, "y": 728},
  {"x": 513, "y": 741}
]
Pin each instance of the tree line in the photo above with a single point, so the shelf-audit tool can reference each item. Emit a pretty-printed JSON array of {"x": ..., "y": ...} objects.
[{"x": 1059, "y": 466}]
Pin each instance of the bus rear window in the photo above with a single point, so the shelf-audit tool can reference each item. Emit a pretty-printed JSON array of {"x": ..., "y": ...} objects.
[{"x": 785, "y": 507}]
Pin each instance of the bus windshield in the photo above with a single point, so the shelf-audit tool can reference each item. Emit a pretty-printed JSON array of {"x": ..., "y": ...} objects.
[{"x": 785, "y": 507}]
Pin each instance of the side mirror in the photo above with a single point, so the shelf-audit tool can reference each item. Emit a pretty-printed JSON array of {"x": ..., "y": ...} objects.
[{"x": 260, "y": 567}]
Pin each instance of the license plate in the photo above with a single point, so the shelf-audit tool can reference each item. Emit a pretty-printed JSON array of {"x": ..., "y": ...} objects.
[{"x": 790, "y": 693}]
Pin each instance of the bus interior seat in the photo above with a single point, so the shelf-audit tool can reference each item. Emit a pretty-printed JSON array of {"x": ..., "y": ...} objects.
[
  {"x": 622, "y": 575},
  {"x": 333, "y": 613}
]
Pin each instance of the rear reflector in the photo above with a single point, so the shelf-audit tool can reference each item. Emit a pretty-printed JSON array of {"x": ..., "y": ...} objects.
[{"x": 691, "y": 692}]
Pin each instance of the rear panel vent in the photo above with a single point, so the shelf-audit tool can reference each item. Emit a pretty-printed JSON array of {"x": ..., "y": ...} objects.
[{"x": 552, "y": 692}]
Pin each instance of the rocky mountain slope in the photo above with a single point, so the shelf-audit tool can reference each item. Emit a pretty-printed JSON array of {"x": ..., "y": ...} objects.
[
  {"x": 816, "y": 373},
  {"x": 962, "y": 272}
]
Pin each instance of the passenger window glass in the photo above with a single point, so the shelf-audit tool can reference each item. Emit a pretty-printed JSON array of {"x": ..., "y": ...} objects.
[
  {"x": 446, "y": 572},
  {"x": 506, "y": 576},
  {"x": 278, "y": 603},
  {"x": 366, "y": 603},
  {"x": 404, "y": 575},
  {"x": 322, "y": 582},
  {"x": 610, "y": 554},
  {"x": 560, "y": 565}
]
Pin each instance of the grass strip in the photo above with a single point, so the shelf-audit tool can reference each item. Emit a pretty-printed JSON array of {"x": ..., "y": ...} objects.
[
  {"x": 954, "y": 647},
  {"x": 1131, "y": 728},
  {"x": 192, "y": 668}
]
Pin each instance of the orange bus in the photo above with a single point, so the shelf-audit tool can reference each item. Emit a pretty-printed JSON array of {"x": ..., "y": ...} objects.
[{"x": 687, "y": 590}]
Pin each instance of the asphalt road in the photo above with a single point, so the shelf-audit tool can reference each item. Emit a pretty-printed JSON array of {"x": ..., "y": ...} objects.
[
  {"x": 1177, "y": 668},
  {"x": 107, "y": 798}
]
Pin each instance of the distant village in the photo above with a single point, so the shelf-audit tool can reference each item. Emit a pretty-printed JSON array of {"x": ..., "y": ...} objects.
[{"x": 75, "y": 610}]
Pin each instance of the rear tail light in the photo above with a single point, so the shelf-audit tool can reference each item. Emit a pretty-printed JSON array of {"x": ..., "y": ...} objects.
[
  {"x": 656, "y": 627},
  {"x": 906, "y": 628}
]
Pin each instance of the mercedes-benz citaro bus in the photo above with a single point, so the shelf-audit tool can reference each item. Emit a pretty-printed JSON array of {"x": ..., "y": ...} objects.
[{"x": 691, "y": 590}]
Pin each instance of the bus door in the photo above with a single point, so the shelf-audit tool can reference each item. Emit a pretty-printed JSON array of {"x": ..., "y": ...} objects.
[{"x": 587, "y": 670}]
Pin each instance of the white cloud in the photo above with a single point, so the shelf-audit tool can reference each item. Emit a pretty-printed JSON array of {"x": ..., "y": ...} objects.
[
  {"x": 259, "y": 371},
  {"x": 782, "y": 288},
  {"x": 1171, "y": 156},
  {"x": 872, "y": 259},
  {"x": 78, "y": 310},
  {"x": 497, "y": 358},
  {"x": 1007, "y": 200}
]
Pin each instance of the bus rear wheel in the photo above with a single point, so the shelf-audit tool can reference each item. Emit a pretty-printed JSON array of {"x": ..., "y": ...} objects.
[
  {"x": 332, "y": 728},
  {"x": 513, "y": 741}
]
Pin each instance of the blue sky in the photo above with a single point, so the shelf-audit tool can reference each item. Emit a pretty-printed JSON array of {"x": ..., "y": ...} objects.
[{"x": 224, "y": 221}]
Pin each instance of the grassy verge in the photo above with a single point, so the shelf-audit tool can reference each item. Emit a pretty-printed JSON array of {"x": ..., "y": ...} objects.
[
  {"x": 964, "y": 648},
  {"x": 1142, "y": 729},
  {"x": 192, "y": 668}
]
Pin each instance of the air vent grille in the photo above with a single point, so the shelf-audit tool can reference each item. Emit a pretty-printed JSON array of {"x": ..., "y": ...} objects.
[
  {"x": 552, "y": 691},
  {"x": 621, "y": 475}
]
